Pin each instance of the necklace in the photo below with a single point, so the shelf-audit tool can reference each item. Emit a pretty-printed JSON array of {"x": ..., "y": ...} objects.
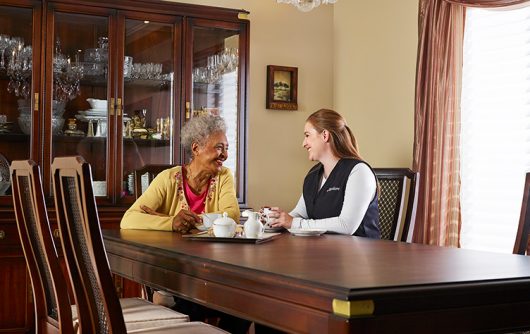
[
  {"x": 189, "y": 174},
  {"x": 195, "y": 185}
]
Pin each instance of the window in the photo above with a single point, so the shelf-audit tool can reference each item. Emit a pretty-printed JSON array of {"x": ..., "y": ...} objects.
[{"x": 495, "y": 126}]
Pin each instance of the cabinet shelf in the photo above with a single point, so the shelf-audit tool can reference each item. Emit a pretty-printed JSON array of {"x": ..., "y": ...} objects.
[
  {"x": 149, "y": 142},
  {"x": 129, "y": 82},
  {"x": 76, "y": 139},
  {"x": 147, "y": 83},
  {"x": 14, "y": 137}
]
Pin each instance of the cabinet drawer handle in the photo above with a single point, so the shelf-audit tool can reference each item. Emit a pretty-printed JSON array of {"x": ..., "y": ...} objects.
[
  {"x": 2, "y": 234},
  {"x": 56, "y": 233}
]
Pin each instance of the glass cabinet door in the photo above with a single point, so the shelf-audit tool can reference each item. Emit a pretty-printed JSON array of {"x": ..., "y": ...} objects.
[
  {"x": 150, "y": 94},
  {"x": 19, "y": 87},
  {"x": 79, "y": 106},
  {"x": 218, "y": 86}
]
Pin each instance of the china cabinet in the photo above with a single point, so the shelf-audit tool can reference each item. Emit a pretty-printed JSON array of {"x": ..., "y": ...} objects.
[{"x": 114, "y": 82}]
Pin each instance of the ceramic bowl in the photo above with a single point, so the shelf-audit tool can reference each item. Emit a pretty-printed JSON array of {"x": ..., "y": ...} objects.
[{"x": 97, "y": 104}]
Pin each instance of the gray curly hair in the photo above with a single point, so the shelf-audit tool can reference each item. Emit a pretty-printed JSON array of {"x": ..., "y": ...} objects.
[{"x": 198, "y": 129}]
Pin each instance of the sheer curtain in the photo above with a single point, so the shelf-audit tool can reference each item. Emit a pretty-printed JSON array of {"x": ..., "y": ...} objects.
[
  {"x": 437, "y": 117},
  {"x": 495, "y": 126}
]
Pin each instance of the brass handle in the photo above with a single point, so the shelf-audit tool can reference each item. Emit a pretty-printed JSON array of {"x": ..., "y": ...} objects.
[
  {"x": 56, "y": 233},
  {"x": 36, "y": 106},
  {"x": 119, "y": 108},
  {"x": 2, "y": 234},
  {"x": 111, "y": 111},
  {"x": 188, "y": 107}
]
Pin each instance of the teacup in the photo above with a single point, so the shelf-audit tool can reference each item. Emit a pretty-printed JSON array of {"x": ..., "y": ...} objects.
[
  {"x": 209, "y": 218},
  {"x": 264, "y": 217}
]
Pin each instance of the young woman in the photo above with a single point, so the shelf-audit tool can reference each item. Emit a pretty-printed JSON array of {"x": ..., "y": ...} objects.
[{"x": 340, "y": 191}]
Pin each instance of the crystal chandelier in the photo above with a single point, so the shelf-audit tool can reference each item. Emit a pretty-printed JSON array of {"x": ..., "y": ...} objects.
[{"x": 306, "y": 5}]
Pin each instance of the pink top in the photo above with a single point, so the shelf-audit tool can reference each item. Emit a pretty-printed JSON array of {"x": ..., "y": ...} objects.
[{"x": 195, "y": 202}]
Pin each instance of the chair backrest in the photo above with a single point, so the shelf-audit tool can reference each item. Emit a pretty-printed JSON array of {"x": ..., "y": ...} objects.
[
  {"x": 83, "y": 247},
  {"x": 53, "y": 312},
  {"x": 151, "y": 171},
  {"x": 521, "y": 239},
  {"x": 393, "y": 201}
]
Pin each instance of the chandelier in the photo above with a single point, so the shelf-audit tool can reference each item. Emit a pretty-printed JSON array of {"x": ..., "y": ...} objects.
[{"x": 306, "y": 5}]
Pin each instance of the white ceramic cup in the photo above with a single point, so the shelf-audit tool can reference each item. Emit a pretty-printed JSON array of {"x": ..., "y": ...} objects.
[{"x": 208, "y": 219}]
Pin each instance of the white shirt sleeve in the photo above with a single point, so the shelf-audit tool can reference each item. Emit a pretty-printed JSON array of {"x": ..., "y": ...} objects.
[{"x": 360, "y": 189}]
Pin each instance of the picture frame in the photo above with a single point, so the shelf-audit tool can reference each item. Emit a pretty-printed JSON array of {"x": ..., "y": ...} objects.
[{"x": 282, "y": 87}]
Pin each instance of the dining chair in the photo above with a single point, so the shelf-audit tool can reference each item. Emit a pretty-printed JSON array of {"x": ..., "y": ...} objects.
[
  {"x": 149, "y": 172},
  {"x": 521, "y": 238},
  {"x": 398, "y": 188},
  {"x": 53, "y": 312},
  {"x": 88, "y": 265}
]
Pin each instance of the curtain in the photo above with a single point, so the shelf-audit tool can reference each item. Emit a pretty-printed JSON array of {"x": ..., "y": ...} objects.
[
  {"x": 487, "y": 3},
  {"x": 437, "y": 117}
]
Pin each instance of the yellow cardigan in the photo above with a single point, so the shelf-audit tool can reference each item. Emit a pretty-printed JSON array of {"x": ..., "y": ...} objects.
[{"x": 166, "y": 195}]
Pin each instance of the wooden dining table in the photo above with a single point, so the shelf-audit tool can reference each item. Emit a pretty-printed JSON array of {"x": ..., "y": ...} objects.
[{"x": 333, "y": 283}]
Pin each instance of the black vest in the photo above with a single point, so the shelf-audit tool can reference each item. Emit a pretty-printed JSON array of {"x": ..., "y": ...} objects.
[{"x": 327, "y": 202}]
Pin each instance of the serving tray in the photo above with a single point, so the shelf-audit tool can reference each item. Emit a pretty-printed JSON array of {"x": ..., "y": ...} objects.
[{"x": 203, "y": 236}]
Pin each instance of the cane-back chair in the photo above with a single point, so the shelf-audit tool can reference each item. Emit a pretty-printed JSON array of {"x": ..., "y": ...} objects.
[
  {"x": 53, "y": 312},
  {"x": 397, "y": 210},
  {"x": 87, "y": 260}
]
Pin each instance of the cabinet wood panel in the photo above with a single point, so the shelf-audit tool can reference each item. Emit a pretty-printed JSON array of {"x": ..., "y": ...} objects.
[
  {"x": 16, "y": 307},
  {"x": 148, "y": 31}
]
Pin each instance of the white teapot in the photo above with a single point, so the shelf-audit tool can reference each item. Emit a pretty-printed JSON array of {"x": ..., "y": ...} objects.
[
  {"x": 253, "y": 227},
  {"x": 224, "y": 227}
]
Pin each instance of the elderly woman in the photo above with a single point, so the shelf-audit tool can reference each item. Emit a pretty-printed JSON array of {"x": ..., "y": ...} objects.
[{"x": 177, "y": 196}]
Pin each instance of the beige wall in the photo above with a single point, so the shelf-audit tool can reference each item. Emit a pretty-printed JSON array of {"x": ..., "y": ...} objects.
[
  {"x": 282, "y": 35},
  {"x": 374, "y": 65}
]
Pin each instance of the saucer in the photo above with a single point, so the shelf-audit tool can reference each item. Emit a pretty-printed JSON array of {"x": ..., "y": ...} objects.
[
  {"x": 273, "y": 229},
  {"x": 93, "y": 112},
  {"x": 306, "y": 232},
  {"x": 201, "y": 227}
]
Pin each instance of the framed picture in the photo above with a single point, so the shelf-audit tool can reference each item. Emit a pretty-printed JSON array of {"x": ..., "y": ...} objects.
[{"x": 282, "y": 87}]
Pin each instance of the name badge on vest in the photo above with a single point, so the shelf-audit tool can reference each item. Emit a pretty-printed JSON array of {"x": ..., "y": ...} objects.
[{"x": 332, "y": 189}]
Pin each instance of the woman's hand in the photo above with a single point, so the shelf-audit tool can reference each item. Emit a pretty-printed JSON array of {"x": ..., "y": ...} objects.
[
  {"x": 279, "y": 218},
  {"x": 183, "y": 222}
]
